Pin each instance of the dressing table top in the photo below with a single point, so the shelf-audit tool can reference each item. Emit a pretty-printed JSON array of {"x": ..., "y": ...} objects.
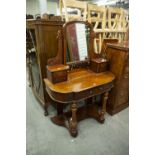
[{"x": 80, "y": 80}]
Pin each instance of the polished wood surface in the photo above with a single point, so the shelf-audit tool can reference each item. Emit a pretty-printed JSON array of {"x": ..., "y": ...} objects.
[
  {"x": 82, "y": 84},
  {"x": 104, "y": 44},
  {"x": 80, "y": 80},
  {"x": 118, "y": 56},
  {"x": 120, "y": 45},
  {"x": 57, "y": 73},
  {"x": 99, "y": 60},
  {"x": 99, "y": 65},
  {"x": 56, "y": 68}
]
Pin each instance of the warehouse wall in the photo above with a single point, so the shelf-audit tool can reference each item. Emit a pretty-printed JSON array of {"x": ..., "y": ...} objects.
[{"x": 32, "y": 7}]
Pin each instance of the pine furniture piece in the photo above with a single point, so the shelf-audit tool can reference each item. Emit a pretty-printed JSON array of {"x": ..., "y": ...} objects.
[
  {"x": 97, "y": 16},
  {"x": 109, "y": 22},
  {"x": 80, "y": 83},
  {"x": 79, "y": 12},
  {"x": 118, "y": 57},
  {"x": 117, "y": 23}
]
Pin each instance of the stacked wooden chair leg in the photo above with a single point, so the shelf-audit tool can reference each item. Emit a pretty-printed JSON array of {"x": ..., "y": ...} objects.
[
  {"x": 117, "y": 23},
  {"x": 126, "y": 24},
  {"x": 97, "y": 16},
  {"x": 108, "y": 22}
]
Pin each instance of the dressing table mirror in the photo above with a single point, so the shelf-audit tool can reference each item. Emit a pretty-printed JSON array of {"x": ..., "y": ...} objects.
[
  {"x": 79, "y": 77},
  {"x": 77, "y": 40},
  {"x": 76, "y": 44}
]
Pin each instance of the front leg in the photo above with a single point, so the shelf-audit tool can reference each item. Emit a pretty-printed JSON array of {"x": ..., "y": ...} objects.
[
  {"x": 73, "y": 120},
  {"x": 103, "y": 108}
]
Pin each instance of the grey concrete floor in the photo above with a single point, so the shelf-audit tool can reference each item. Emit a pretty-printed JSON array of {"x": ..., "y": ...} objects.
[{"x": 45, "y": 138}]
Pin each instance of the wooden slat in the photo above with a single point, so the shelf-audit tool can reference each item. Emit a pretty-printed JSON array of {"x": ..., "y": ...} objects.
[{"x": 81, "y": 12}]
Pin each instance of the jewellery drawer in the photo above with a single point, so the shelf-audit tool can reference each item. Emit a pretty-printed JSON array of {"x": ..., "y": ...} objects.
[
  {"x": 98, "y": 65},
  {"x": 57, "y": 73}
]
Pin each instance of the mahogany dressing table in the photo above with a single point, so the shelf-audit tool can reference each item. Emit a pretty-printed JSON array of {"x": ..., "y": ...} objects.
[{"x": 76, "y": 79}]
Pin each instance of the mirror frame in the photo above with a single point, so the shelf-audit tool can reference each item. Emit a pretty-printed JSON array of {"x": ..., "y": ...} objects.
[{"x": 91, "y": 42}]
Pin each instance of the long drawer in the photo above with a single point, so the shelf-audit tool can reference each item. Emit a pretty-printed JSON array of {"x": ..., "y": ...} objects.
[{"x": 92, "y": 92}]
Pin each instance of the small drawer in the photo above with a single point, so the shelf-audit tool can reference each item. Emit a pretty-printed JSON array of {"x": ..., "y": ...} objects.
[
  {"x": 98, "y": 65},
  {"x": 57, "y": 73},
  {"x": 59, "y": 76}
]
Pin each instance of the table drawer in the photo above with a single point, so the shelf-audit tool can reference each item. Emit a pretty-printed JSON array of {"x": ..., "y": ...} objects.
[{"x": 92, "y": 92}]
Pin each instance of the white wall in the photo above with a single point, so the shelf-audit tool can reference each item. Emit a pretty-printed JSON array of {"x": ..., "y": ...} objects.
[
  {"x": 52, "y": 7},
  {"x": 32, "y": 7}
]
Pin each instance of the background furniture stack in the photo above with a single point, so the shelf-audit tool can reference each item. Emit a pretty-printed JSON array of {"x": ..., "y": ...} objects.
[
  {"x": 117, "y": 23},
  {"x": 108, "y": 22},
  {"x": 97, "y": 16}
]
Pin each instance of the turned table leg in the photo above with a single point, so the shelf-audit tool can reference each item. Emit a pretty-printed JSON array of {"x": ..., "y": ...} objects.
[
  {"x": 103, "y": 108},
  {"x": 73, "y": 120}
]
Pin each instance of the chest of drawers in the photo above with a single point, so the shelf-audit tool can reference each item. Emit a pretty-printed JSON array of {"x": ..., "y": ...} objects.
[{"x": 118, "y": 56}]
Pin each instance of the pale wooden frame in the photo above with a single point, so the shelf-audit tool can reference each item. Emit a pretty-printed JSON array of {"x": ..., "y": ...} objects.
[
  {"x": 81, "y": 6},
  {"x": 101, "y": 18},
  {"x": 120, "y": 23}
]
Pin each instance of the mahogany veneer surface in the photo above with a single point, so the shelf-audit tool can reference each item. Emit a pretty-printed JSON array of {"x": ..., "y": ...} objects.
[
  {"x": 81, "y": 83},
  {"x": 118, "y": 56},
  {"x": 58, "y": 67}
]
